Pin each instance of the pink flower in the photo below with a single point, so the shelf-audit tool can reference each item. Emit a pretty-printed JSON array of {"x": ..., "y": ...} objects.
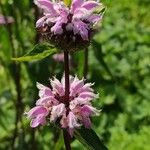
[
  {"x": 6, "y": 20},
  {"x": 52, "y": 107},
  {"x": 38, "y": 115},
  {"x": 71, "y": 24}
]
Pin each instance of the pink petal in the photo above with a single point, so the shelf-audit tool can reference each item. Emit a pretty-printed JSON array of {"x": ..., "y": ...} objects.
[
  {"x": 90, "y": 5},
  {"x": 38, "y": 110},
  {"x": 87, "y": 88},
  {"x": 94, "y": 18},
  {"x": 57, "y": 87},
  {"x": 57, "y": 29},
  {"x": 81, "y": 28},
  {"x": 88, "y": 110},
  {"x": 71, "y": 78},
  {"x": 57, "y": 111},
  {"x": 76, "y": 4},
  {"x": 46, "y": 5},
  {"x": 40, "y": 120},
  {"x": 64, "y": 122},
  {"x": 88, "y": 95},
  {"x": 47, "y": 100},
  {"x": 80, "y": 13},
  {"x": 78, "y": 101},
  {"x": 86, "y": 122},
  {"x": 84, "y": 34},
  {"x": 40, "y": 22},
  {"x": 76, "y": 86},
  {"x": 44, "y": 91},
  {"x": 72, "y": 121}
]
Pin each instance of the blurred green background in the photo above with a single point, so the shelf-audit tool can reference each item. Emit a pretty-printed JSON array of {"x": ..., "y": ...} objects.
[{"x": 119, "y": 64}]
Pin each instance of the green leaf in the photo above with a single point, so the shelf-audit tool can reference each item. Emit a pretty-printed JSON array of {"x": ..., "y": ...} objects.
[
  {"x": 67, "y": 2},
  {"x": 39, "y": 52},
  {"x": 89, "y": 138}
]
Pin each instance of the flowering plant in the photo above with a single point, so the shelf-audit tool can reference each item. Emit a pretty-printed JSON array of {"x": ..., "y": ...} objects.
[{"x": 67, "y": 103}]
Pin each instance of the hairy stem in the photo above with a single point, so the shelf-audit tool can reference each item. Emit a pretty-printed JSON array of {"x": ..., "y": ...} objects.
[
  {"x": 66, "y": 67},
  {"x": 67, "y": 140},
  {"x": 67, "y": 87}
]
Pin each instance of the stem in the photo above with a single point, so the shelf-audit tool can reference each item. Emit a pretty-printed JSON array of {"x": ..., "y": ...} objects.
[
  {"x": 67, "y": 140},
  {"x": 67, "y": 87},
  {"x": 66, "y": 65},
  {"x": 85, "y": 69}
]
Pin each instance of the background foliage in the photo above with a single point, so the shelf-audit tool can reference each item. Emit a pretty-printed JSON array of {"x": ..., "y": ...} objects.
[{"x": 119, "y": 64}]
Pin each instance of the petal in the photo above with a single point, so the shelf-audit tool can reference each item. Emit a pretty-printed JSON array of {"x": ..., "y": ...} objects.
[
  {"x": 90, "y": 5},
  {"x": 57, "y": 111},
  {"x": 57, "y": 86},
  {"x": 76, "y": 86},
  {"x": 86, "y": 122},
  {"x": 84, "y": 34},
  {"x": 94, "y": 18},
  {"x": 57, "y": 29},
  {"x": 88, "y": 95},
  {"x": 81, "y": 13},
  {"x": 72, "y": 121},
  {"x": 46, "y": 5},
  {"x": 40, "y": 22},
  {"x": 71, "y": 78},
  {"x": 50, "y": 20},
  {"x": 87, "y": 88},
  {"x": 88, "y": 110},
  {"x": 47, "y": 101},
  {"x": 78, "y": 101},
  {"x": 76, "y": 4},
  {"x": 81, "y": 28},
  {"x": 44, "y": 91},
  {"x": 38, "y": 110},
  {"x": 64, "y": 122},
  {"x": 40, "y": 120}
]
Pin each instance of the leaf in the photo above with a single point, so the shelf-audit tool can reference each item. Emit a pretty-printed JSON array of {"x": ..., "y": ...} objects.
[
  {"x": 67, "y": 2},
  {"x": 39, "y": 52},
  {"x": 89, "y": 138}
]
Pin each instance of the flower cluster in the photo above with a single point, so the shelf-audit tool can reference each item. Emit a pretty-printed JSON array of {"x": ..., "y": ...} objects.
[
  {"x": 68, "y": 28},
  {"x": 52, "y": 106}
]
